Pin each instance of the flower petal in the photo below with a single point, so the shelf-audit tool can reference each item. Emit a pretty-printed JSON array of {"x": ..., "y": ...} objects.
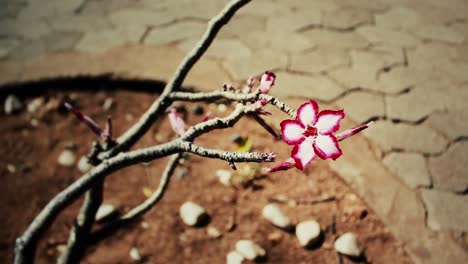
[
  {"x": 307, "y": 113},
  {"x": 326, "y": 146},
  {"x": 329, "y": 121},
  {"x": 303, "y": 153},
  {"x": 291, "y": 132}
]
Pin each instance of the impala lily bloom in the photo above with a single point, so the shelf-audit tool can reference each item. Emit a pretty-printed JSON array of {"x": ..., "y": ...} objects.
[
  {"x": 267, "y": 81},
  {"x": 176, "y": 121},
  {"x": 311, "y": 134}
]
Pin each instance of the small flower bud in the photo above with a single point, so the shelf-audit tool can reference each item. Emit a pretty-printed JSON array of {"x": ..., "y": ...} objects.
[
  {"x": 267, "y": 81},
  {"x": 176, "y": 121}
]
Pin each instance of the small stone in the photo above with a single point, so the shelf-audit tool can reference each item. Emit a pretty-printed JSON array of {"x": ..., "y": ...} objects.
[
  {"x": 129, "y": 117},
  {"x": 224, "y": 177},
  {"x": 213, "y": 232},
  {"x": 35, "y": 104},
  {"x": 275, "y": 236},
  {"x": 61, "y": 249},
  {"x": 222, "y": 108},
  {"x": 145, "y": 225},
  {"x": 198, "y": 110},
  {"x": 12, "y": 105},
  {"x": 11, "y": 168},
  {"x": 105, "y": 211},
  {"x": 308, "y": 232},
  {"x": 347, "y": 244},
  {"x": 274, "y": 215},
  {"x": 83, "y": 164},
  {"x": 135, "y": 254},
  {"x": 234, "y": 257},
  {"x": 191, "y": 213},
  {"x": 182, "y": 173},
  {"x": 34, "y": 122},
  {"x": 67, "y": 158},
  {"x": 249, "y": 249},
  {"x": 108, "y": 104}
]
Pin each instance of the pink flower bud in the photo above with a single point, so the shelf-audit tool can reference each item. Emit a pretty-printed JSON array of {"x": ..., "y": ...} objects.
[
  {"x": 352, "y": 131},
  {"x": 176, "y": 121},
  {"x": 267, "y": 81},
  {"x": 285, "y": 165},
  {"x": 251, "y": 81}
]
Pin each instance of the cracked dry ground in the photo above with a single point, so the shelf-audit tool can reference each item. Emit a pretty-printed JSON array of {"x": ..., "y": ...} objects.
[{"x": 402, "y": 63}]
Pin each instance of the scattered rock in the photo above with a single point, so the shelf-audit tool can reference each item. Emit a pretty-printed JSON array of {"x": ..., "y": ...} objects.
[
  {"x": 181, "y": 173},
  {"x": 347, "y": 244},
  {"x": 145, "y": 225},
  {"x": 275, "y": 237},
  {"x": 12, "y": 105},
  {"x": 234, "y": 257},
  {"x": 249, "y": 249},
  {"x": 34, "y": 105},
  {"x": 191, "y": 213},
  {"x": 61, "y": 249},
  {"x": 34, "y": 122},
  {"x": 222, "y": 108},
  {"x": 135, "y": 254},
  {"x": 108, "y": 104},
  {"x": 11, "y": 168},
  {"x": 273, "y": 213},
  {"x": 224, "y": 177},
  {"x": 213, "y": 232},
  {"x": 105, "y": 211},
  {"x": 308, "y": 232},
  {"x": 83, "y": 164},
  {"x": 67, "y": 158}
]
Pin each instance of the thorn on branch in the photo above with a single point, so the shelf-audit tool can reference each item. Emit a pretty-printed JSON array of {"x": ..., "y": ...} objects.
[{"x": 232, "y": 165}]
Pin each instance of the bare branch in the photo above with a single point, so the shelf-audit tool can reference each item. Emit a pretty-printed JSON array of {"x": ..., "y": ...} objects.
[
  {"x": 279, "y": 104},
  {"x": 146, "y": 205},
  {"x": 163, "y": 102},
  {"x": 227, "y": 155},
  {"x": 79, "y": 235}
]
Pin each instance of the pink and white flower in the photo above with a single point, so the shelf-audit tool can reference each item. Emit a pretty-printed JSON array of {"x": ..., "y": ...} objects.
[
  {"x": 267, "y": 81},
  {"x": 177, "y": 122},
  {"x": 311, "y": 134}
]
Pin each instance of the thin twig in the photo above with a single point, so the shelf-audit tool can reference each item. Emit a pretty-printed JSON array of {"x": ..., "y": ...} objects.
[
  {"x": 147, "y": 204},
  {"x": 133, "y": 134}
]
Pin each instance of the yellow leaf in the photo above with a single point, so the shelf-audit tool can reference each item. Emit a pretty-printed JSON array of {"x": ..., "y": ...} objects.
[
  {"x": 147, "y": 192},
  {"x": 246, "y": 146}
]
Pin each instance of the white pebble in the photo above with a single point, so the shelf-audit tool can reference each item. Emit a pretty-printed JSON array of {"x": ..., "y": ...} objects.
[
  {"x": 108, "y": 104},
  {"x": 135, "y": 254},
  {"x": 249, "y": 249},
  {"x": 234, "y": 257},
  {"x": 222, "y": 108},
  {"x": 191, "y": 213},
  {"x": 273, "y": 213},
  {"x": 35, "y": 104},
  {"x": 347, "y": 244},
  {"x": 83, "y": 165},
  {"x": 104, "y": 211},
  {"x": 12, "y": 104},
  {"x": 307, "y": 232},
  {"x": 67, "y": 158},
  {"x": 34, "y": 122},
  {"x": 213, "y": 232},
  {"x": 224, "y": 177},
  {"x": 145, "y": 225}
]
